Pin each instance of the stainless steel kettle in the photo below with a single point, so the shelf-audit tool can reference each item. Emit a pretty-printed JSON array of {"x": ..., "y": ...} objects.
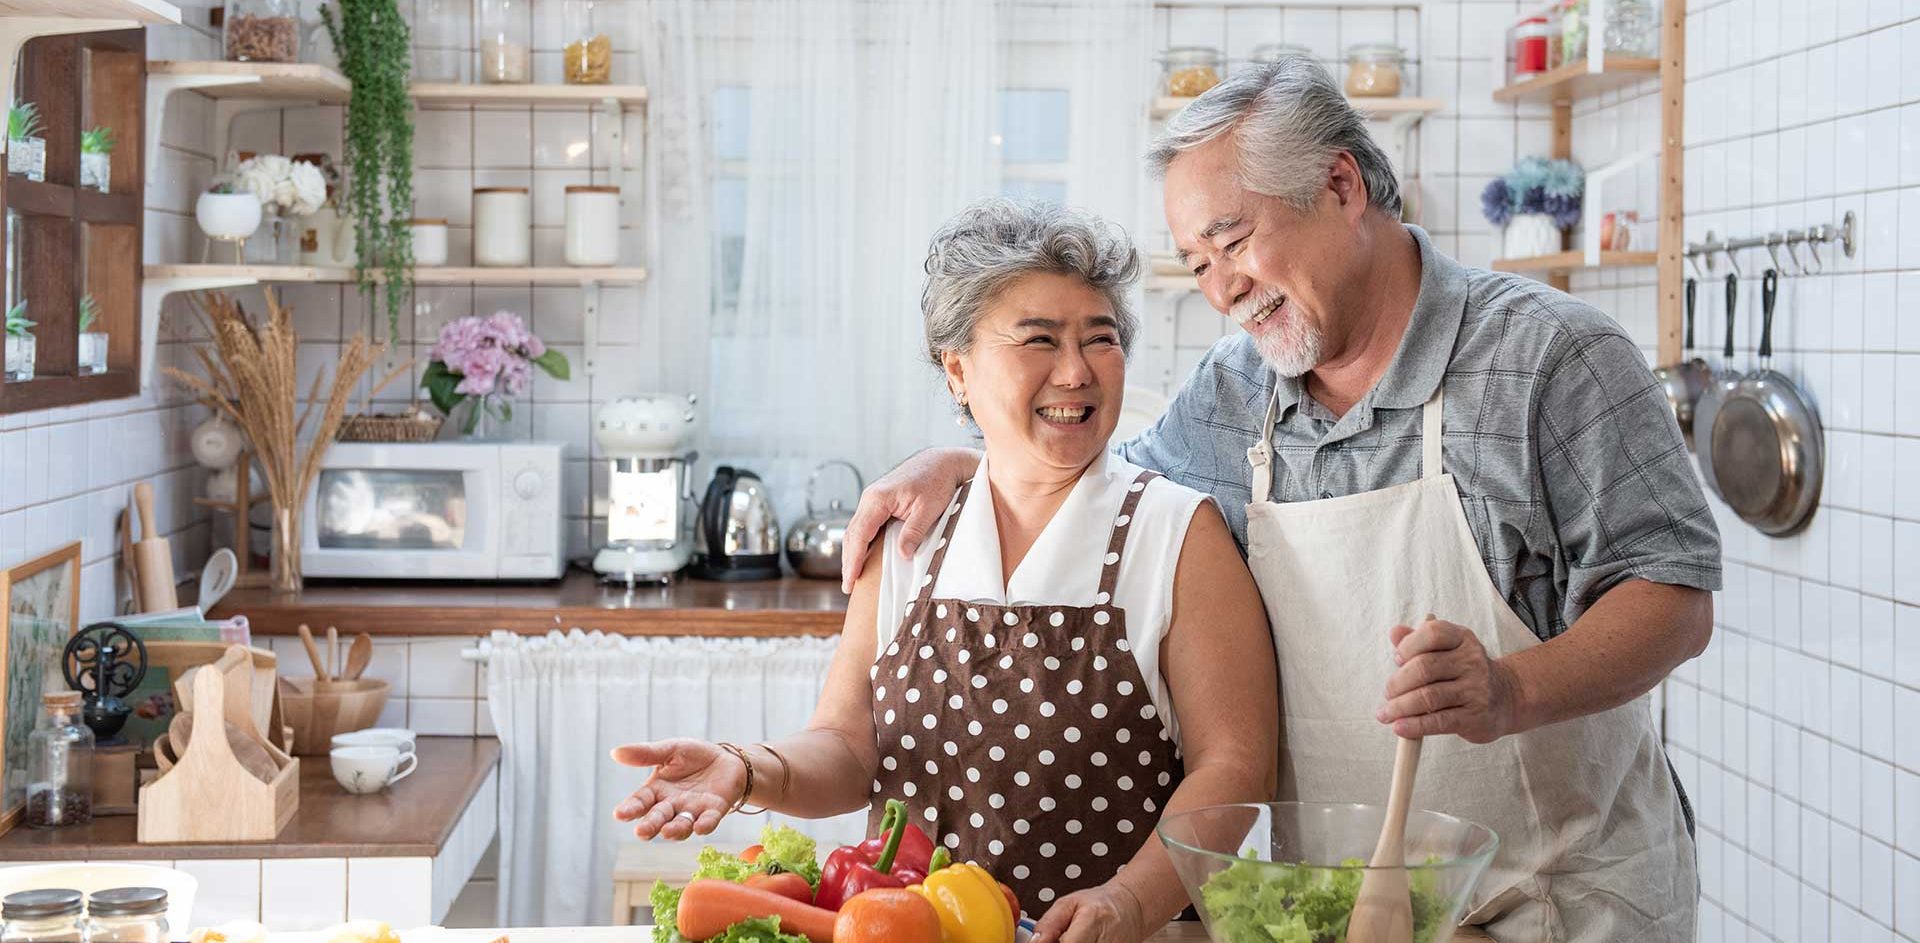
[
  {"x": 738, "y": 534},
  {"x": 813, "y": 545}
]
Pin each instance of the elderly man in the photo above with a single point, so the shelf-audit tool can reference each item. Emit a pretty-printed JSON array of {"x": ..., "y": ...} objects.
[{"x": 1469, "y": 513}]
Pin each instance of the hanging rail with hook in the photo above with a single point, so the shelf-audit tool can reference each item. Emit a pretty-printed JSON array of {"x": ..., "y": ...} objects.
[{"x": 1700, "y": 255}]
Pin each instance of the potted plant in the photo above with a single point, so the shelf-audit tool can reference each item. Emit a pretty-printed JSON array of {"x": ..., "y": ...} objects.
[
  {"x": 93, "y": 344},
  {"x": 479, "y": 364},
  {"x": 20, "y": 343},
  {"x": 1537, "y": 202},
  {"x": 96, "y": 157},
  {"x": 228, "y": 214},
  {"x": 373, "y": 42},
  {"x": 26, "y": 149}
]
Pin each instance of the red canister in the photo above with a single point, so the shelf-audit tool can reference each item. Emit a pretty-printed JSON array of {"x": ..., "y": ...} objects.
[{"x": 1530, "y": 46}]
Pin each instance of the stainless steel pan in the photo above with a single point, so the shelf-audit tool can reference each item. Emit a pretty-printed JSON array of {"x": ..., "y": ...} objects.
[
  {"x": 1683, "y": 382},
  {"x": 1724, "y": 382},
  {"x": 1767, "y": 443}
]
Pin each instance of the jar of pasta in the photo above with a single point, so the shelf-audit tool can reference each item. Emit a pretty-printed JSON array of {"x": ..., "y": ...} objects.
[
  {"x": 587, "y": 56},
  {"x": 1373, "y": 70},
  {"x": 1188, "y": 71}
]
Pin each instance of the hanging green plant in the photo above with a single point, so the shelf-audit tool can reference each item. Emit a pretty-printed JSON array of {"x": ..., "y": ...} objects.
[{"x": 373, "y": 43}]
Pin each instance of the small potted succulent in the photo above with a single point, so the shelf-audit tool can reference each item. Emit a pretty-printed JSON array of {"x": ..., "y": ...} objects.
[
  {"x": 228, "y": 213},
  {"x": 96, "y": 157},
  {"x": 93, "y": 344},
  {"x": 19, "y": 344},
  {"x": 1537, "y": 201},
  {"x": 26, "y": 149}
]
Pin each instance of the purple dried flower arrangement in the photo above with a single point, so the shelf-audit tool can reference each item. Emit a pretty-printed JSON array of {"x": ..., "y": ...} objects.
[{"x": 1536, "y": 185}]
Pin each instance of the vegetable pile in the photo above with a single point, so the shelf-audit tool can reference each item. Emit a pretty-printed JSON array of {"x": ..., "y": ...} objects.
[
  {"x": 1253, "y": 901},
  {"x": 894, "y": 888}
]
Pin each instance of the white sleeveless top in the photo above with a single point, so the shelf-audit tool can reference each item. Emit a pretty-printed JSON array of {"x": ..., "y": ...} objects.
[{"x": 1063, "y": 567}]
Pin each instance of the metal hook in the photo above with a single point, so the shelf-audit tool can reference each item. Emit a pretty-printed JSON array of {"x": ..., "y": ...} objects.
[
  {"x": 1732, "y": 261},
  {"x": 1813, "y": 249},
  {"x": 1693, "y": 259},
  {"x": 1793, "y": 252},
  {"x": 1773, "y": 243}
]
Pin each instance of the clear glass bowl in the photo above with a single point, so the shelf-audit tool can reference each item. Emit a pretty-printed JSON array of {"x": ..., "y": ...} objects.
[{"x": 1251, "y": 867}]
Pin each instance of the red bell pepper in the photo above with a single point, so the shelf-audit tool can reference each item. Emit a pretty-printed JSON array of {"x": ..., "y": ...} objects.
[
  {"x": 916, "y": 849},
  {"x": 852, "y": 869}
]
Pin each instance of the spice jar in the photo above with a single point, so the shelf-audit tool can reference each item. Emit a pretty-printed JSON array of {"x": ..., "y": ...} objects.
[
  {"x": 59, "y": 764},
  {"x": 1274, "y": 52},
  {"x": 506, "y": 46},
  {"x": 593, "y": 225},
  {"x": 1373, "y": 70},
  {"x": 262, "y": 30},
  {"x": 127, "y": 915},
  {"x": 1188, "y": 71},
  {"x": 1531, "y": 40},
  {"x": 51, "y": 915},
  {"x": 587, "y": 58},
  {"x": 502, "y": 226},
  {"x": 429, "y": 241},
  {"x": 440, "y": 31}
]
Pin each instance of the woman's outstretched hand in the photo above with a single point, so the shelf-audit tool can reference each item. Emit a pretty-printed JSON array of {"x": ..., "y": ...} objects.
[{"x": 693, "y": 785}]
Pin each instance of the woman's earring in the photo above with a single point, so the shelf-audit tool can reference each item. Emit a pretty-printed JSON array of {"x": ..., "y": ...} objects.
[{"x": 961, "y": 419}]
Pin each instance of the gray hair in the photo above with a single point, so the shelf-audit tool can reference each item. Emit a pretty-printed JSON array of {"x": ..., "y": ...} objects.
[
  {"x": 1289, "y": 120},
  {"x": 988, "y": 246}
]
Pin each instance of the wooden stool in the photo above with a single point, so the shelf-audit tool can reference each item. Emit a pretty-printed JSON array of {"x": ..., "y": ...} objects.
[{"x": 639, "y": 864}]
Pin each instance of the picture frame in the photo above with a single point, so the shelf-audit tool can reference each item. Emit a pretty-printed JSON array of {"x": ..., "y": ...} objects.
[{"x": 41, "y": 602}]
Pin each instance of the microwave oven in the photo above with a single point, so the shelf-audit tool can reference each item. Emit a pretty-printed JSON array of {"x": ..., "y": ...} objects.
[{"x": 436, "y": 510}]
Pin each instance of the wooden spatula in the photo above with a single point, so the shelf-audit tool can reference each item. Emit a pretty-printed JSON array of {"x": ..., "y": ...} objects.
[
  {"x": 359, "y": 655},
  {"x": 313, "y": 654},
  {"x": 1383, "y": 910}
]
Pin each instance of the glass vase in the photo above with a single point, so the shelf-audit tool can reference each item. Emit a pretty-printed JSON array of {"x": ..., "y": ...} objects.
[
  {"x": 93, "y": 353},
  {"x": 285, "y": 560},
  {"x": 20, "y": 350}
]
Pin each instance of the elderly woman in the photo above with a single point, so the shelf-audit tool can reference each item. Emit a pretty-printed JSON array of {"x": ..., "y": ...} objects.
[{"x": 1080, "y": 652}]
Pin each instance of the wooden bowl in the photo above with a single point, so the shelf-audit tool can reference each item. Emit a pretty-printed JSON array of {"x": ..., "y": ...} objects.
[{"x": 318, "y": 711}]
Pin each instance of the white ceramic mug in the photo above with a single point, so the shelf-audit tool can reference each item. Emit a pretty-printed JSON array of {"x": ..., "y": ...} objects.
[
  {"x": 362, "y": 770},
  {"x": 399, "y": 738}
]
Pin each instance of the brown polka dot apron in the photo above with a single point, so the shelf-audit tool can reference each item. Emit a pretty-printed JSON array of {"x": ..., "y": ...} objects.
[{"x": 1024, "y": 738}]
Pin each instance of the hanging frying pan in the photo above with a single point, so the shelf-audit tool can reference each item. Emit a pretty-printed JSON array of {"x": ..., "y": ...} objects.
[
  {"x": 1767, "y": 441},
  {"x": 1724, "y": 382},
  {"x": 1683, "y": 382}
]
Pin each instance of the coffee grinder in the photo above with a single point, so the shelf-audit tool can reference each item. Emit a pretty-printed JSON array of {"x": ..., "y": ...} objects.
[{"x": 649, "y": 488}]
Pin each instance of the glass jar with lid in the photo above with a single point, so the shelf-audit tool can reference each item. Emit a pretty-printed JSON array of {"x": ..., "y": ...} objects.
[
  {"x": 1274, "y": 52},
  {"x": 59, "y": 764},
  {"x": 506, "y": 41},
  {"x": 262, "y": 30},
  {"x": 586, "y": 57},
  {"x": 440, "y": 31},
  {"x": 127, "y": 915},
  {"x": 1373, "y": 70},
  {"x": 49, "y": 915},
  {"x": 1188, "y": 71}
]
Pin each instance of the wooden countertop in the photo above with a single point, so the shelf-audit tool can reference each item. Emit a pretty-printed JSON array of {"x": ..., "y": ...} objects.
[
  {"x": 790, "y": 606},
  {"x": 413, "y": 819}
]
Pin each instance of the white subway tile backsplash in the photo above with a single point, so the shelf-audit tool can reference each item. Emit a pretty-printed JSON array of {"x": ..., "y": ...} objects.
[{"x": 303, "y": 893}]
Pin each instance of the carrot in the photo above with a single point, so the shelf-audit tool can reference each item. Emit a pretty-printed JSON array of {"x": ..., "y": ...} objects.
[
  {"x": 709, "y": 906},
  {"x": 786, "y": 884}
]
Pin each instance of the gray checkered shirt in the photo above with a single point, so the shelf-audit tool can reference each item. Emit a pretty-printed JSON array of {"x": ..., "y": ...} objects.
[{"x": 1570, "y": 467}]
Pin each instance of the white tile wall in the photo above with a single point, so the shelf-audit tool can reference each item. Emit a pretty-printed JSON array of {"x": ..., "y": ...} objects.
[
  {"x": 66, "y": 474},
  {"x": 433, "y": 690}
]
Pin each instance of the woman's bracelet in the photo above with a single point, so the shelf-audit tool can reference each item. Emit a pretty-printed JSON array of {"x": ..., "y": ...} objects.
[
  {"x": 747, "y": 792},
  {"x": 786, "y": 770}
]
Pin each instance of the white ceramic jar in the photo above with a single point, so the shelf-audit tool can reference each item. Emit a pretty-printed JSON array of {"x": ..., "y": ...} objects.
[
  {"x": 502, "y": 226},
  {"x": 429, "y": 242},
  {"x": 593, "y": 225}
]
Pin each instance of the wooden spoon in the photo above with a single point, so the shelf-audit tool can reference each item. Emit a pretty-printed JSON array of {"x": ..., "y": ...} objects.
[
  {"x": 313, "y": 653},
  {"x": 1383, "y": 910},
  {"x": 359, "y": 655},
  {"x": 333, "y": 652}
]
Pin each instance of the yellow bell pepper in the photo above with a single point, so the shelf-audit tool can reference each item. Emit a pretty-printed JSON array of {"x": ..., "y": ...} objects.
[{"x": 971, "y": 906}]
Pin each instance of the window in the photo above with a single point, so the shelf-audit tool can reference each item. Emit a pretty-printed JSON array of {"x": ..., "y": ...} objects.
[{"x": 1033, "y": 143}]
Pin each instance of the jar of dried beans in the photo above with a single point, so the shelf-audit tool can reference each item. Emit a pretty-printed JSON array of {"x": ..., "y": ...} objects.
[
  {"x": 262, "y": 30},
  {"x": 59, "y": 764}
]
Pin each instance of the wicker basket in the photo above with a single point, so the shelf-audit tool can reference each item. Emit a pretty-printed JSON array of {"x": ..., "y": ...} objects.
[{"x": 370, "y": 427}]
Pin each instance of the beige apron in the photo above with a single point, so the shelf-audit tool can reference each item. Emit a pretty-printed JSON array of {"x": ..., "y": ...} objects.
[{"x": 1593, "y": 845}]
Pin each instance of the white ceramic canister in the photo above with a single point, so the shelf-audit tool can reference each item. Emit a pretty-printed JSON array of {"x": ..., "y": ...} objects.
[
  {"x": 429, "y": 241},
  {"x": 593, "y": 225},
  {"x": 502, "y": 226}
]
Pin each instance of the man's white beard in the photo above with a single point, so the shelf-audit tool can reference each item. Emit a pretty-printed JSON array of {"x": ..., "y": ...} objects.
[{"x": 1291, "y": 347}]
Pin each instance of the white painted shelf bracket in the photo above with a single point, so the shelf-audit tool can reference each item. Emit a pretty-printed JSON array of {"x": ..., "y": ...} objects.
[
  {"x": 589, "y": 326},
  {"x": 160, "y": 89},
  {"x": 153, "y": 295}
]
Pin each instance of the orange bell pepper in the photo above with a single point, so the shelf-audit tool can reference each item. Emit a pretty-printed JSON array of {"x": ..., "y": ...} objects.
[{"x": 887, "y": 915}]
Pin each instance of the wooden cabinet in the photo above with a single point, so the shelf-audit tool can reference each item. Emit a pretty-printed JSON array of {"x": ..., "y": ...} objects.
[{"x": 62, "y": 241}]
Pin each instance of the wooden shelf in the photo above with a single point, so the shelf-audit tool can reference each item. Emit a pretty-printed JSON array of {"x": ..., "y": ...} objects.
[
  {"x": 1574, "y": 261},
  {"x": 1572, "y": 81},
  {"x": 140, "y": 11},
  {"x": 1379, "y": 109},
  {"x": 263, "y": 81},
  {"x": 448, "y": 275},
  {"x": 444, "y": 93}
]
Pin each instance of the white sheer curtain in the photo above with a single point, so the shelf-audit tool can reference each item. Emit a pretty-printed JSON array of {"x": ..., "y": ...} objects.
[
  {"x": 676, "y": 47},
  {"x": 561, "y": 702}
]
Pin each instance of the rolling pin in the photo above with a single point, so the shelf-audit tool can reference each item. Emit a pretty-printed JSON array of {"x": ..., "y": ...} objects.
[{"x": 153, "y": 558}]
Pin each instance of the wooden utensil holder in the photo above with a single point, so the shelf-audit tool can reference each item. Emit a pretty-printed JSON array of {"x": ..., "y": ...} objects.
[{"x": 208, "y": 796}]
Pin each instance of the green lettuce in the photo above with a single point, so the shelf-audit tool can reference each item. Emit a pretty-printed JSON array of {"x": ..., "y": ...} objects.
[
  {"x": 1253, "y": 902},
  {"x": 714, "y": 863},
  {"x": 665, "y": 901},
  {"x": 784, "y": 849},
  {"x": 757, "y": 930}
]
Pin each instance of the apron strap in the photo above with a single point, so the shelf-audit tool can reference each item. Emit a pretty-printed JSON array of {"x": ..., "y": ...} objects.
[
  {"x": 946, "y": 541},
  {"x": 1110, "y": 564},
  {"x": 1430, "y": 415},
  {"x": 1260, "y": 457}
]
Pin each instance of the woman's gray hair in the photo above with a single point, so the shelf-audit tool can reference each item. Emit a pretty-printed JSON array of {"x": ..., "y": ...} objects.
[
  {"x": 1289, "y": 120},
  {"x": 988, "y": 246}
]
